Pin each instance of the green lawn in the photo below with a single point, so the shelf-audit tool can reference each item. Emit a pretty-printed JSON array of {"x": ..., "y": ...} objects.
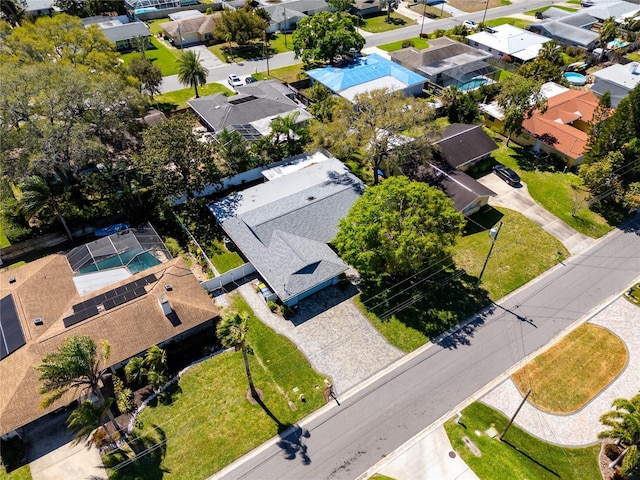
[
  {"x": 634, "y": 56},
  {"x": 378, "y": 23},
  {"x": 161, "y": 56},
  {"x": 522, "y": 252},
  {"x": 519, "y": 455},
  {"x": 544, "y": 9},
  {"x": 560, "y": 193},
  {"x": 4, "y": 241},
  {"x": 289, "y": 73},
  {"x": 154, "y": 25},
  {"x": 178, "y": 98},
  {"x": 222, "y": 258},
  {"x": 22, "y": 473},
  {"x": 572, "y": 372},
  {"x": 418, "y": 42},
  {"x": 255, "y": 50},
  {"x": 517, "y": 22},
  {"x": 206, "y": 419}
]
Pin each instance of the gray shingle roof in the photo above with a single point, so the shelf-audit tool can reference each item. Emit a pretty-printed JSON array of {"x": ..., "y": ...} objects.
[
  {"x": 126, "y": 31},
  {"x": 462, "y": 144},
  {"x": 258, "y": 101},
  {"x": 441, "y": 54},
  {"x": 560, "y": 30},
  {"x": 283, "y": 226},
  {"x": 462, "y": 189}
]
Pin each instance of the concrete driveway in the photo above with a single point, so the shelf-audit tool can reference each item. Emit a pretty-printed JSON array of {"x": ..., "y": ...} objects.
[
  {"x": 208, "y": 59},
  {"x": 335, "y": 337},
  {"x": 519, "y": 199}
]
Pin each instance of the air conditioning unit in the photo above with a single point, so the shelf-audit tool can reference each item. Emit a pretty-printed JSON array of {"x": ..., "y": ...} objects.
[
  {"x": 38, "y": 321},
  {"x": 168, "y": 287}
]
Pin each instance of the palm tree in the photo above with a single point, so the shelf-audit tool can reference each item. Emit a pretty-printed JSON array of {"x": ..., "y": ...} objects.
[
  {"x": 624, "y": 425},
  {"x": 232, "y": 332},
  {"x": 550, "y": 51},
  {"x": 156, "y": 379},
  {"x": 156, "y": 360},
  {"x": 74, "y": 365},
  {"x": 190, "y": 70},
  {"x": 37, "y": 197},
  {"x": 450, "y": 96},
  {"x": 135, "y": 371},
  {"x": 608, "y": 31},
  {"x": 289, "y": 134},
  {"x": 88, "y": 423}
]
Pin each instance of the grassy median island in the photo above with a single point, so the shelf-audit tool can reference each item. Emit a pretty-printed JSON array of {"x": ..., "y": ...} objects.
[
  {"x": 569, "y": 374},
  {"x": 519, "y": 455},
  {"x": 205, "y": 421}
]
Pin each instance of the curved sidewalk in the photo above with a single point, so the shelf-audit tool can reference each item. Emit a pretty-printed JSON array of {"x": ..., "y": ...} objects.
[{"x": 581, "y": 428}]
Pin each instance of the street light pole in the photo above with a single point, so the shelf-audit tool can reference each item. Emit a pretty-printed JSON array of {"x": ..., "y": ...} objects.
[
  {"x": 493, "y": 233},
  {"x": 424, "y": 12}
]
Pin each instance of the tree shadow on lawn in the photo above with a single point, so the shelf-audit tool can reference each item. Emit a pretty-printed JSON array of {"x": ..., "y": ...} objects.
[
  {"x": 149, "y": 452},
  {"x": 433, "y": 304},
  {"x": 530, "y": 458},
  {"x": 530, "y": 163}
]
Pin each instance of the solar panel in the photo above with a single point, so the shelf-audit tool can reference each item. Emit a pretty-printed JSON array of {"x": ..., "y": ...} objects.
[
  {"x": 248, "y": 132},
  {"x": 238, "y": 101},
  {"x": 80, "y": 315},
  {"x": 11, "y": 335}
]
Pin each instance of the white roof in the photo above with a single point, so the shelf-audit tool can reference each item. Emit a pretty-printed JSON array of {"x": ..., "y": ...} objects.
[
  {"x": 508, "y": 39},
  {"x": 185, "y": 14},
  {"x": 551, "y": 89},
  {"x": 390, "y": 83},
  {"x": 306, "y": 161},
  {"x": 624, "y": 75},
  {"x": 91, "y": 282}
]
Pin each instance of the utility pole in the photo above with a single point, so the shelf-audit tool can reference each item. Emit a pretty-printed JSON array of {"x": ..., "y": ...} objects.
[
  {"x": 493, "y": 233},
  {"x": 424, "y": 12},
  {"x": 266, "y": 48},
  {"x": 285, "y": 27},
  {"x": 484, "y": 16},
  {"x": 514, "y": 415}
]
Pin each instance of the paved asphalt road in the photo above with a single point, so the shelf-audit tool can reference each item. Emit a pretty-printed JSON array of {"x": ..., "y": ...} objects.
[
  {"x": 219, "y": 74},
  {"x": 346, "y": 440}
]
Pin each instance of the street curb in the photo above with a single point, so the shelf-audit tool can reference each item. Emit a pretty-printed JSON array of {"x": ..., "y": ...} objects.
[{"x": 490, "y": 386}]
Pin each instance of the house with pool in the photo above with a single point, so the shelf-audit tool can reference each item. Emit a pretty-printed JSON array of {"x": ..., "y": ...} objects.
[
  {"x": 124, "y": 288},
  {"x": 508, "y": 41},
  {"x": 448, "y": 63}
]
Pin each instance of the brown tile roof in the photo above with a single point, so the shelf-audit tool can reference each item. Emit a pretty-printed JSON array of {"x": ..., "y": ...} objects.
[
  {"x": 45, "y": 288},
  {"x": 554, "y": 126}
]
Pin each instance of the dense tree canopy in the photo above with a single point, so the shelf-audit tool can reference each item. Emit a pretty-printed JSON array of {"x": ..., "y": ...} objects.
[
  {"x": 148, "y": 75},
  {"x": 397, "y": 228},
  {"x": 520, "y": 97},
  {"x": 325, "y": 37},
  {"x": 239, "y": 26}
]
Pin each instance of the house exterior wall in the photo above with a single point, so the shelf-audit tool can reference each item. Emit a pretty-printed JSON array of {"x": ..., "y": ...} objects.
[
  {"x": 474, "y": 206},
  {"x": 295, "y": 300},
  {"x": 414, "y": 90}
]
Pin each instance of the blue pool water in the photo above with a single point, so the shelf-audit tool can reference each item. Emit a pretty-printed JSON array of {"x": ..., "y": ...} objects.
[
  {"x": 473, "y": 83},
  {"x": 617, "y": 43},
  {"x": 133, "y": 260},
  {"x": 575, "y": 78}
]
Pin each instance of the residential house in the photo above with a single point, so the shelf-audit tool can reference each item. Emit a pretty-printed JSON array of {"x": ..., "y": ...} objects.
[
  {"x": 508, "y": 40},
  {"x": 189, "y": 30},
  {"x": 468, "y": 194},
  {"x": 251, "y": 111},
  {"x": 285, "y": 16},
  {"x": 284, "y": 225},
  {"x": 605, "y": 10},
  {"x": 446, "y": 63},
  {"x": 564, "y": 128},
  {"x": 135, "y": 7},
  {"x": 365, "y": 8},
  {"x": 618, "y": 80},
  {"x": 570, "y": 30},
  {"x": 39, "y": 8},
  {"x": 132, "y": 307},
  {"x": 368, "y": 73},
  {"x": 119, "y": 30}
]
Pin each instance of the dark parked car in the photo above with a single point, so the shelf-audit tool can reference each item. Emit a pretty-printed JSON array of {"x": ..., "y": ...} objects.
[
  {"x": 249, "y": 80},
  {"x": 507, "y": 174},
  {"x": 539, "y": 15}
]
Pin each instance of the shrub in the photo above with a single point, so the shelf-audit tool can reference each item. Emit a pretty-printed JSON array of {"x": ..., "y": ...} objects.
[
  {"x": 408, "y": 43},
  {"x": 439, "y": 33},
  {"x": 287, "y": 311},
  {"x": 13, "y": 453},
  {"x": 173, "y": 246},
  {"x": 273, "y": 306}
]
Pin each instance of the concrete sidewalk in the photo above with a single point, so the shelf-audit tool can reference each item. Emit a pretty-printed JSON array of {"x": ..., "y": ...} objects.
[
  {"x": 428, "y": 457},
  {"x": 582, "y": 427},
  {"x": 519, "y": 199}
]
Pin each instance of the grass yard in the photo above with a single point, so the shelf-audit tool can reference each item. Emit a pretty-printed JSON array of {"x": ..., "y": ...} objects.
[
  {"x": 154, "y": 25},
  {"x": 633, "y": 295},
  {"x": 378, "y": 23},
  {"x": 254, "y": 50},
  {"x": 290, "y": 73},
  {"x": 574, "y": 2},
  {"x": 544, "y": 9},
  {"x": 178, "y": 98},
  {"x": 519, "y": 455},
  {"x": 418, "y": 43},
  {"x": 573, "y": 371},
  {"x": 517, "y": 22},
  {"x": 634, "y": 56},
  {"x": 4, "y": 241},
  {"x": 522, "y": 251},
  {"x": 476, "y": 5},
  {"x": 161, "y": 56},
  {"x": 222, "y": 258},
  {"x": 206, "y": 419},
  {"x": 562, "y": 194},
  {"x": 22, "y": 473}
]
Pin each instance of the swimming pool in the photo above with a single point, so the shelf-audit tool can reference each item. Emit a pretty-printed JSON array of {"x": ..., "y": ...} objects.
[
  {"x": 617, "y": 44},
  {"x": 473, "y": 84},
  {"x": 134, "y": 260},
  {"x": 575, "y": 78}
]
